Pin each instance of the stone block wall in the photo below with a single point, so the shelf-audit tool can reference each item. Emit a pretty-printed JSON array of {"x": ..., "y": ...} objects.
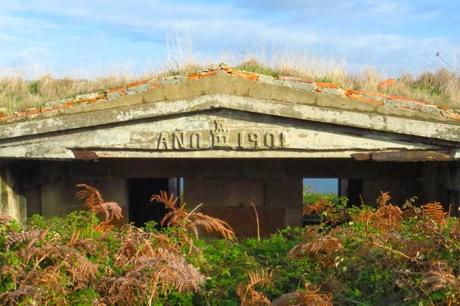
[
  {"x": 278, "y": 201},
  {"x": 442, "y": 184},
  {"x": 224, "y": 186},
  {"x": 58, "y": 198}
]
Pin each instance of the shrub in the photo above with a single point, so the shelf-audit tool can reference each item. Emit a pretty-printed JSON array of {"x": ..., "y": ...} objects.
[{"x": 384, "y": 255}]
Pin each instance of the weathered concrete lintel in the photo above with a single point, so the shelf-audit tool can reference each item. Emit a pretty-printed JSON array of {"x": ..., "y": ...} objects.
[
  {"x": 407, "y": 156},
  {"x": 390, "y": 155},
  {"x": 359, "y": 155},
  {"x": 222, "y": 154},
  {"x": 371, "y": 121}
]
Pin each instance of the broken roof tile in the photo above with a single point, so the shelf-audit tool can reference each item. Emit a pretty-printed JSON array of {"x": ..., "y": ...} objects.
[
  {"x": 326, "y": 85},
  {"x": 137, "y": 83},
  {"x": 405, "y": 99},
  {"x": 363, "y": 98},
  {"x": 325, "y": 88},
  {"x": 200, "y": 75},
  {"x": 247, "y": 75}
]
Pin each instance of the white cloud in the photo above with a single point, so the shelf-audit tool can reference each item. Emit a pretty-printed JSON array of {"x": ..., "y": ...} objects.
[
  {"x": 385, "y": 10},
  {"x": 240, "y": 27}
]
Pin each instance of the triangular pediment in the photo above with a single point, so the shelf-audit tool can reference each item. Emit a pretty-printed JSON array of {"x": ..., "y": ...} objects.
[
  {"x": 208, "y": 133},
  {"x": 225, "y": 116},
  {"x": 288, "y": 99}
]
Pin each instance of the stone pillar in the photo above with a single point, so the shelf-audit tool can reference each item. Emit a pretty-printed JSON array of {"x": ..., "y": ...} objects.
[{"x": 11, "y": 202}]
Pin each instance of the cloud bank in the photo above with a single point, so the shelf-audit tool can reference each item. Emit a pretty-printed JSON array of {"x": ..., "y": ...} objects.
[{"x": 99, "y": 37}]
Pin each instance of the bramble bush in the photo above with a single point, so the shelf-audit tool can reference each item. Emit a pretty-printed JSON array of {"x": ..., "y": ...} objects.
[{"x": 380, "y": 255}]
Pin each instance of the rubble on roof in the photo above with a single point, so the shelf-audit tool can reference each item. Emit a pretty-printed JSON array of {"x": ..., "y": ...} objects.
[{"x": 53, "y": 108}]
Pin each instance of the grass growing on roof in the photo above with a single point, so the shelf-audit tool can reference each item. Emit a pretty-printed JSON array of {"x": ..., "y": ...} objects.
[{"x": 441, "y": 87}]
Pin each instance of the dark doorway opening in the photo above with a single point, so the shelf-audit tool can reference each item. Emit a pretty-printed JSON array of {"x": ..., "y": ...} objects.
[
  {"x": 352, "y": 189},
  {"x": 141, "y": 210}
]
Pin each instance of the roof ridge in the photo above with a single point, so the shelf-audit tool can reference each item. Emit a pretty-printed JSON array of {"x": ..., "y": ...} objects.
[{"x": 326, "y": 88}]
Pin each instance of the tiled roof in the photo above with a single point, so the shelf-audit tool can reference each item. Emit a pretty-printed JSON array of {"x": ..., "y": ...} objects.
[{"x": 325, "y": 88}]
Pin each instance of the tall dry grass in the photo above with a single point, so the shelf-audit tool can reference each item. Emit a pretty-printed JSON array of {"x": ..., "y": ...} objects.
[
  {"x": 17, "y": 93},
  {"x": 441, "y": 87}
]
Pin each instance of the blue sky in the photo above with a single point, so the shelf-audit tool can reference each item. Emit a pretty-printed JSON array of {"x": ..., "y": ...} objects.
[
  {"x": 322, "y": 185},
  {"x": 96, "y": 37}
]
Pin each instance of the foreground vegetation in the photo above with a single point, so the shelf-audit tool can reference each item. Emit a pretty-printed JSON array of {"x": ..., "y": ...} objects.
[
  {"x": 382, "y": 255},
  {"x": 441, "y": 87}
]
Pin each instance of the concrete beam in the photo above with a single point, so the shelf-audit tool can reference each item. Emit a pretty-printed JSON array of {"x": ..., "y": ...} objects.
[{"x": 406, "y": 156}]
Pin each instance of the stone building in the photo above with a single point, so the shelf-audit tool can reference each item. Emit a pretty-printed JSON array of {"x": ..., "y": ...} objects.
[{"x": 226, "y": 138}]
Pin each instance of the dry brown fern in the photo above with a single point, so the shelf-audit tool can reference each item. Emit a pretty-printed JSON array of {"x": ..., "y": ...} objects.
[
  {"x": 383, "y": 199},
  {"x": 248, "y": 294},
  {"x": 45, "y": 267},
  {"x": 16, "y": 296},
  {"x": 67, "y": 259},
  {"x": 5, "y": 219},
  {"x": 364, "y": 216},
  {"x": 317, "y": 207},
  {"x": 310, "y": 296},
  {"x": 135, "y": 244},
  {"x": 176, "y": 213},
  {"x": 87, "y": 246},
  {"x": 52, "y": 270},
  {"x": 439, "y": 276},
  {"x": 179, "y": 216},
  {"x": 210, "y": 225},
  {"x": 313, "y": 297},
  {"x": 161, "y": 272},
  {"x": 324, "y": 248},
  {"x": 435, "y": 212},
  {"x": 177, "y": 273},
  {"x": 90, "y": 195},
  {"x": 387, "y": 217},
  {"x": 31, "y": 237},
  {"x": 111, "y": 211}
]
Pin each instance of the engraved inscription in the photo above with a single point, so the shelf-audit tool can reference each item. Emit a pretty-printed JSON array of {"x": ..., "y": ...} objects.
[
  {"x": 163, "y": 141},
  {"x": 221, "y": 137},
  {"x": 178, "y": 140},
  {"x": 195, "y": 140}
]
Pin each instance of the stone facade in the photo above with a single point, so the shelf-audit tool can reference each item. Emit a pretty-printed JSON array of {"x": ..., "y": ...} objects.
[{"x": 234, "y": 140}]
